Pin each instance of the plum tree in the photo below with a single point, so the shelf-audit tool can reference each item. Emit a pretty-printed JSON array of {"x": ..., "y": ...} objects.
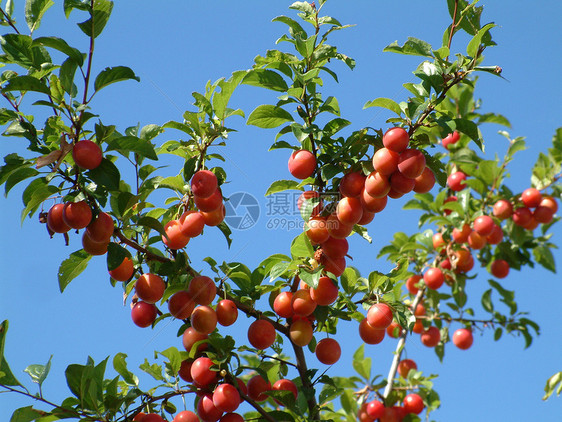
[{"x": 111, "y": 188}]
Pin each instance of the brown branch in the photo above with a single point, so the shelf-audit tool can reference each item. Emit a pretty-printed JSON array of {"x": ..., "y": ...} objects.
[
  {"x": 306, "y": 383},
  {"x": 453, "y": 27},
  {"x": 149, "y": 255},
  {"x": 256, "y": 406},
  {"x": 9, "y": 20}
]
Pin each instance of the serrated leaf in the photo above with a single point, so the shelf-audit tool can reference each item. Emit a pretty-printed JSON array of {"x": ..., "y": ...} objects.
[
  {"x": 282, "y": 185},
  {"x": 26, "y": 83},
  {"x": 269, "y": 116},
  {"x": 265, "y": 78},
  {"x": 72, "y": 267},
  {"x": 384, "y": 103},
  {"x": 114, "y": 74}
]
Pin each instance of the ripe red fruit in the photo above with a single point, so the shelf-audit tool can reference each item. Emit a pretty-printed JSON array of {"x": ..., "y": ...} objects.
[
  {"x": 502, "y": 209},
  {"x": 434, "y": 278},
  {"x": 301, "y": 332},
  {"x": 425, "y": 181},
  {"x": 349, "y": 210},
  {"x": 204, "y": 319},
  {"x": 375, "y": 409},
  {"x": 411, "y": 282},
  {"x": 394, "y": 330},
  {"x": 366, "y": 218},
  {"x": 335, "y": 247},
  {"x": 461, "y": 236},
  {"x": 455, "y": 181},
  {"x": 214, "y": 218},
  {"x": 431, "y": 337},
  {"x": 549, "y": 202},
  {"x": 411, "y": 163},
  {"x": 227, "y": 312},
  {"x": 522, "y": 216},
  {"x": 204, "y": 183},
  {"x": 484, "y": 225},
  {"x": 543, "y": 214},
  {"x": 352, "y": 184},
  {"x": 176, "y": 239},
  {"x": 283, "y": 304},
  {"x": 302, "y": 164},
  {"x": 385, "y": 161},
  {"x": 465, "y": 261},
  {"x": 55, "y": 220},
  {"x": 185, "y": 370},
  {"x": 413, "y": 403},
  {"x": 462, "y": 338},
  {"x": 336, "y": 228},
  {"x": 317, "y": 230},
  {"x": 396, "y": 139},
  {"x": 285, "y": 385},
  {"x": 101, "y": 229},
  {"x": 379, "y": 315},
  {"x": 190, "y": 337},
  {"x": 531, "y": 197},
  {"x": 325, "y": 293},
  {"x": 150, "y": 287},
  {"x": 377, "y": 185},
  {"x": 261, "y": 334},
  {"x": 91, "y": 247},
  {"x": 451, "y": 138},
  {"x": 210, "y": 204},
  {"x": 202, "y": 289},
  {"x": 496, "y": 236},
  {"x": 257, "y": 387},
  {"x": 372, "y": 204},
  {"x": 328, "y": 351},
  {"x": 499, "y": 268},
  {"x": 336, "y": 265},
  {"x": 405, "y": 366},
  {"x": 476, "y": 240},
  {"x": 87, "y": 154},
  {"x": 150, "y": 417},
  {"x": 394, "y": 194},
  {"x": 144, "y": 314},
  {"x": 201, "y": 371},
  {"x": 192, "y": 223},
  {"x": 226, "y": 398},
  {"x": 186, "y": 416},
  {"x": 181, "y": 305},
  {"x": 303, "y": 304},
  {"x": 231, "y": 417},
  {"x": 369, "y": 334},
  {"x": 124, "y": 271},
  {"x": 438, "y": 241},
  {"x": 207, "y": 410},
  {"x": 77, "y": 215},
  {"x": 400, "y": 183}
]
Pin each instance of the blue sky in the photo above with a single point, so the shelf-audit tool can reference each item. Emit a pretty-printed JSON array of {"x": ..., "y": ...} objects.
[{"x": 176, "y": 47}]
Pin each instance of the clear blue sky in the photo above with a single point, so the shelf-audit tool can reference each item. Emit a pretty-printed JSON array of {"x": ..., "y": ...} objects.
[{"x": 176, "y": 47}]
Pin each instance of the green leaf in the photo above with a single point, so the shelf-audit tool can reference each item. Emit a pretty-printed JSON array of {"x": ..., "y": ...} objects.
[
  {"x": 282, "y": 185},
  {"x": 543, "y": 255},
  {"x": 115, "y": 255},
  {"x": 361, "y": 364},
  {"x": 28, "y": 414},
  {"x": 26, "y": 83},
  {"x": 114, "y": 74},
  {"x": 474, "y": 44},
  {"x": 94, "y": 26},
  {"x": 34, "y": 11},
  {"x": 277, "y": 270},
  {"x": 335, "y": 125},
  {"x": 302, "y": 6},
  {"x": 120, "y": 365},
  {"x": 17, "y": 176},
  {"x": 301, "y": 246},
  {"x": 487, "y": 301},
  {"x": 225, "y": 230},
  {"x": 269, "y": 116},
  {"x": 34, "y": 195},
  {"x": 412, "y": 46},
  {"x": 153, "y": 370},
  {"x": 72, "y": 267},
  {"x": 60, "y": 45},
  {"x": 384, "y": 103},
  {"x": 38, "y": 373},
  {"x": 152, "y": 223},
  {"x": 126, "y": 144},
  {"x": 265, "y": 78},
  {"x": 294, "y": 27},
  {"x": 106, "y": 175},
  {"x": 551, "y": 385},
  {"x": 6, "y": 375},
  {"x": 66, "y": 76}
]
